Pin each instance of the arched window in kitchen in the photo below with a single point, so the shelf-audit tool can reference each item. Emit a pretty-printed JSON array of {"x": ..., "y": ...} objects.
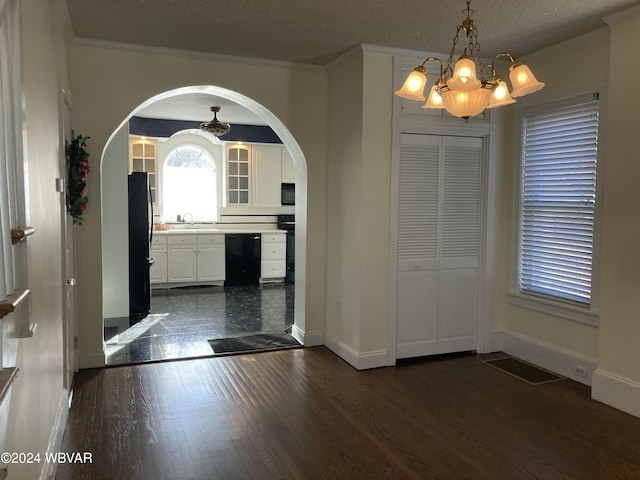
[{"x": 189, "y": 185}]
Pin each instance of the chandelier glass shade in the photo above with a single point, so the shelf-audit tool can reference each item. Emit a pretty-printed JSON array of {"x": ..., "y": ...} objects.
[
  {"x": 459, "y": 90},
  {"x": 215, "y": 127}
]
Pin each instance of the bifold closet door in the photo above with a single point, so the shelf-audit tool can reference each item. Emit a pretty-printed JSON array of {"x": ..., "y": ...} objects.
[{"x": 438, "y": 244}]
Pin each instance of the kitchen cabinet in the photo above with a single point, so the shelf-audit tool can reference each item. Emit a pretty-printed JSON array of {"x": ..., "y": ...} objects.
[
  {"x": 182, "y": 266},
  {"x": 255, "y": 174},
  {"x": 195, "y": 258},
  {"x": 159, "y": 254},
  {"x": 274, "y": 256},
  {"x": 267, "y": 176},
  {"x": 210, "y": 252},
  {"x": 238, "y": 175},
  {"x": 288, "y": 170},
  {"x": 143, "y": 158}
]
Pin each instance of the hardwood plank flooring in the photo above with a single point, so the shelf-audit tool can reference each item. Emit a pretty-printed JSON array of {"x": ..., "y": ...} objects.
[{"x": 306, "y": 414}]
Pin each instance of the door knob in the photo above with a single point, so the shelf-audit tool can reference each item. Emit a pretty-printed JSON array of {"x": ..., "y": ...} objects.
[{"x": 71, "y": 281}]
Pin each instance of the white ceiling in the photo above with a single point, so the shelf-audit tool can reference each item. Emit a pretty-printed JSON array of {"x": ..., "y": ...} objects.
[{"x": 318, "y": 31}]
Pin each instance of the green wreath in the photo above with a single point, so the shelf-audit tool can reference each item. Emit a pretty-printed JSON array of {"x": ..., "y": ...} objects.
[{"x": 78, "y": 172}]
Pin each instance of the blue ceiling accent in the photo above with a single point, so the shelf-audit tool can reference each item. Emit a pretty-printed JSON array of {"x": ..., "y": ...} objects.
[{"x": 153, "y": 127}]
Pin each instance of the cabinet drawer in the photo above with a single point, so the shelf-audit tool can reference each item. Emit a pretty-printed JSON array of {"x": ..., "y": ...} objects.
[
  {"x": 274, "y": 269},
  {"x": 274, "y": 238},
  {"x": 159, "y": 240},
  {"x": 214, "y": 239},
  {"x": 274, "y": 251},
  {"x": 181, "y": 239}
]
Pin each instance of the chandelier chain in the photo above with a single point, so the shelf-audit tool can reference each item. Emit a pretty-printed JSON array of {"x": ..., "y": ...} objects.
[
  {"x": 476, "y": 45},
  {"x": 453, "y": 48}
]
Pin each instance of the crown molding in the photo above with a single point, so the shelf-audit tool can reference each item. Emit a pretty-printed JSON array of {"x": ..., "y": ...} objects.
[
  {"x": 367, "y": 48},
  {"x": 190, "y": 54},
  {"x": 622, "y": 16}
]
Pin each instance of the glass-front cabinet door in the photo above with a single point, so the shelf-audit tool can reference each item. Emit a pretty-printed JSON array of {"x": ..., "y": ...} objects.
[
  {"x": 144, "y": 159},
  {"x": 238, "y": 177}
]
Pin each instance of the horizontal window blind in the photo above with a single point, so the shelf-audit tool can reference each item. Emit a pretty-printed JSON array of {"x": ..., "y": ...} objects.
[{"x": 558, "y": 202}]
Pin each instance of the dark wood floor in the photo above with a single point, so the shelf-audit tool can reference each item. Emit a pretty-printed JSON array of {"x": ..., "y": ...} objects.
[{"x": 305, "y": 414}]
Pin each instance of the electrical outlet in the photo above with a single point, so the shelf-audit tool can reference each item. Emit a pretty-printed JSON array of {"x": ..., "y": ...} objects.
[{"x": 580, "y": 371}]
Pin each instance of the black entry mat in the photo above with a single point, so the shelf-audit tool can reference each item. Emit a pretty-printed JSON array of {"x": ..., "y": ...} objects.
[
  {"x": 253, "y": 343},
  {"x": 523, "y": 370}
]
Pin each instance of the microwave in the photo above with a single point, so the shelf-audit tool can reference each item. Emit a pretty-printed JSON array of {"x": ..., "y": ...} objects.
[{"x": 288, "y": 194}]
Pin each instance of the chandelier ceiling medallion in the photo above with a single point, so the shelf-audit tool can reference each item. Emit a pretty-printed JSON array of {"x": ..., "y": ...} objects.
[
  {"x": 459, "y": 91},
  {"x": 215, "y": 126}
]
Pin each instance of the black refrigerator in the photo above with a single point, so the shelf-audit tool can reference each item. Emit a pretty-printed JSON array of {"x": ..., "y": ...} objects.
[{"x": 140, "y": 233}]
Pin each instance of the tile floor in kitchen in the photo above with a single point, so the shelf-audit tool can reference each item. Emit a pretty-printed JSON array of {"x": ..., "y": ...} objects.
[{"x": 183, "y": 319}]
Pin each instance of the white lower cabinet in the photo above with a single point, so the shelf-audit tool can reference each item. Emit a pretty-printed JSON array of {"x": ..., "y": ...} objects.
[
  {"x": 182, "y": 266},
  {"x": 195, "y": 258},
  {"x": 159, "y": 254},
  {"x": 274, "y": 255},
  {"x": 210, "y": 253},
  {"x": 198, "y": 258}
]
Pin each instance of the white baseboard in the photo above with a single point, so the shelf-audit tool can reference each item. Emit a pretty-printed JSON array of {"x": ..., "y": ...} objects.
[
  {"x": 496, "y": 342},
  {"x": 360, "y": 361},
  {"x": 549, "y": 356},
  {"x": 306, "y": 338},
  {"x": 55, "y": 438},
  {"x": 616, "y": 391},
  {"x": 91, "y": 360}
]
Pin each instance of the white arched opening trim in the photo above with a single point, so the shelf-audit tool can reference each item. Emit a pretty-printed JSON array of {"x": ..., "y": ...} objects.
[{"x": 300, "y": 165}]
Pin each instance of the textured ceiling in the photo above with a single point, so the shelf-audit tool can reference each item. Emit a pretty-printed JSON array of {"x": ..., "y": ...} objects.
[{"x": 317, "y": 31}]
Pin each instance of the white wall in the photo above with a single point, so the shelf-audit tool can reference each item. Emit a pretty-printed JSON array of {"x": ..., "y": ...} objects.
[
  {"x": 109, "y": 84},
  {"x": 343, "y": 204},
  {"x": 358, "y": 204},
  {"x": 598, "y": 61},
  {"x": 578, "y": 64},
  {"x": 617, "y": 380},
  {"x": 115, "y": 167}
]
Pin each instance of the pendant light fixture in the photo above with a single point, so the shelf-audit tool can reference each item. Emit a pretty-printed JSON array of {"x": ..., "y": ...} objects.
[
  {"x": 215, "y": 127},
  {"x": 459, "y": 90}
]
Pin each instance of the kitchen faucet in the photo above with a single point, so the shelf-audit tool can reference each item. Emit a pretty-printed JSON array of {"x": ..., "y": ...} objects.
[{"x": 184, "y": 219}]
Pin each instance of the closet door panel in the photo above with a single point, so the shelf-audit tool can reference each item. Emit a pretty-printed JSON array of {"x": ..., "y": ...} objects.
[
  {"x": 438, "y": 244},
  {"x": 418, "y": 309},
  {"x": 417, "y": 251},
  {"x": 458, "y": 310},
  {"x": 458, "y": 277}
]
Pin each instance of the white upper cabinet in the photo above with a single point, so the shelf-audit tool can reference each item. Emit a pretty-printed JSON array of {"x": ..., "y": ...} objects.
[
  {"x": 267, "y": 175},
  {"x": 238, "y": 175},
  {"x": 254, "y": 177},
  {"x": 288, "y": 170},
  {"x": 143, "y": 158}
]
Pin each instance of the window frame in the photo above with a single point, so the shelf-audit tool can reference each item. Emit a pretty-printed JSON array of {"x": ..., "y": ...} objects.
[
  {"x": 556, "y": 306},
  {"x": 205, "y": 141}
]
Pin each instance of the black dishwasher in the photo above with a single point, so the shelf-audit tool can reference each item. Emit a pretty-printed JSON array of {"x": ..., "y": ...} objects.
[{"x": 242, "y": 259}]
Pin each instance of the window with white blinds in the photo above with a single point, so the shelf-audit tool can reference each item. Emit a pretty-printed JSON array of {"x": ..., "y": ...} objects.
[{"x": 559, "y": 158}]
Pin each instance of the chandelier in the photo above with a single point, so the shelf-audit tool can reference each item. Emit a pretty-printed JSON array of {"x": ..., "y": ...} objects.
[
  {"x": 215, "y": 126},
  {"x": 459, "y": 91}
]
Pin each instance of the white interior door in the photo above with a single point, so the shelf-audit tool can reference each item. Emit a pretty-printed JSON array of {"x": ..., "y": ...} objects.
[{"x": 438, "y": 244}]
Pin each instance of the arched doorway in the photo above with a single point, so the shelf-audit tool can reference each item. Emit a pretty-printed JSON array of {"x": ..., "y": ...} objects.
[{"x": 114, "y": 174}]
